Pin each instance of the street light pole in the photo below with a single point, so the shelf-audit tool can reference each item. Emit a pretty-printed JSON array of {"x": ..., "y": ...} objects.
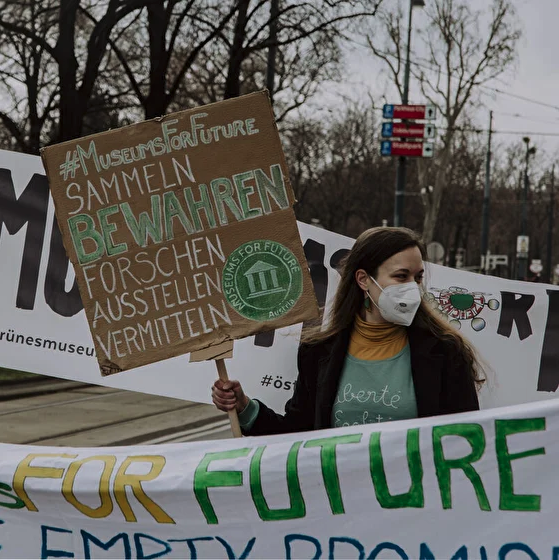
[
  {"x": 550, "y": 227},
  {"x": 522, "y": 260},
  {"x": 402, "y": 161},
  {"x": 405, "y": 93},
  {"x": 486, "y": 200}
]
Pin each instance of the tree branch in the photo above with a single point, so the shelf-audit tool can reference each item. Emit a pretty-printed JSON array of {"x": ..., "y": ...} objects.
[
  {"x": 13, "y": 129},
  {"x": 198, "y": 49},
  {"x": 13, "y": 28},
  {"x": 121, "y": 58}
]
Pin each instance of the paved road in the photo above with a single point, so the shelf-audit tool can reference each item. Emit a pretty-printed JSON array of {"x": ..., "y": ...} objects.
[{"x": 61, "y": 413}]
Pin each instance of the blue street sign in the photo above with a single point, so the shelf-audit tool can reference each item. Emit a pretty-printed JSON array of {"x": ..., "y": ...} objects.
[
  {"x": 385, "y": 148},
  {"x": 387, "y": 130},
  {"x": 387, "y": 111}
]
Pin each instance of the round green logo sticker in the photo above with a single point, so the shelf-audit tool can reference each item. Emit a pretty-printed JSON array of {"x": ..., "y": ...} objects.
[{"x": 262, "y": 280}]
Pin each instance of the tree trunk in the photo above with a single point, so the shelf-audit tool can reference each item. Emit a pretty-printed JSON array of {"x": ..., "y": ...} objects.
[
  {"x": 34, "y": 143},
  {"x": 157, "y": 101},
  {"x": 35, "y": 122},
  {"x": 433, "y": 200},
  {"x": 70, "y": 105},
  {"x": 237, "y": 54},
  {"x": 71, "y": 115},
  {"x": 74, "y": 101}
]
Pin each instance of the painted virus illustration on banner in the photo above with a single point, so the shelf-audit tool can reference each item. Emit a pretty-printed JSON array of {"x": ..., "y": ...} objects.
[{"x": 458, "y": 304}]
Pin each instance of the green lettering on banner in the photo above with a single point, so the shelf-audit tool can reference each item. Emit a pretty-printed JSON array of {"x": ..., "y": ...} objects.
[
  {"x": 509, "y": 501},
  {"x": 244, "y": 192},
  {"x": 6, "y": 492},
  {"x": 173, "y": 209},
  {"x": 223, "y": 196},
  {"x": 475, "y": 436},
  {"x": 297, "y": 508},
  {"x": 204, "y": 479},
  {"x": 108, "y": 230},
  {"x": 414, "y": 497},
  {"x": 274, "y": 187},
  {"x": 88, "y": 233},
  {"x": 330, "y": 468},
  {"x": 145, "y": 226},
  {"x": 196, "y": 207}
]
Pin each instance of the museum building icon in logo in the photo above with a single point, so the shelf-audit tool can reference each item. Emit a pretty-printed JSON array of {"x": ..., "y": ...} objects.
[
  {"x": 261, "y": 275},
  {"x": 262, "y": 280}
]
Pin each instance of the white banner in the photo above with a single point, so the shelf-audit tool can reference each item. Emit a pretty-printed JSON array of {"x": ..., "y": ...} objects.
[
  {"x": 475, "y": 485},
  {"x": 514, "y": 325}
]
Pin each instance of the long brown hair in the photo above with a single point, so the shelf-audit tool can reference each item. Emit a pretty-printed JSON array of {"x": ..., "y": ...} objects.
[{"x": 371, "y": 249}]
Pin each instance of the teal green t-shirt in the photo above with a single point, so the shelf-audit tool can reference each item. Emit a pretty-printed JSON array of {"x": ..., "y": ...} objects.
[{"x": 372, "y": 391}]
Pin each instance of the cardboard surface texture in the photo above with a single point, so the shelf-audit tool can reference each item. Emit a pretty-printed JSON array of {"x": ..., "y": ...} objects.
[
  {"x": 181, "y": 232},
  {"x": 221, "y": 351}
]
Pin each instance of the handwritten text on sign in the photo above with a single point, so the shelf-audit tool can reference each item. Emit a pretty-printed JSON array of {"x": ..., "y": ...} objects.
[{"x": 181, "y": 231}]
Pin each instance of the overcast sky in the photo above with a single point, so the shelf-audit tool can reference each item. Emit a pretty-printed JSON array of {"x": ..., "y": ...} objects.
[{"x": 535, "y": 77}]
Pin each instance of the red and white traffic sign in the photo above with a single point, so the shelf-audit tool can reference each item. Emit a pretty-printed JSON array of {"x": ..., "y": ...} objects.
[
  {"x": 415, "y": 130},
  {"x": 408, "y": 130},
  {"x": 427, "y": 112},
  {"x": 406, "y": 149}
]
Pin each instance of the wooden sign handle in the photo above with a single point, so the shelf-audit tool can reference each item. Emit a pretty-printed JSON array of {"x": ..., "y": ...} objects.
[{"x": 233, "y": 416}]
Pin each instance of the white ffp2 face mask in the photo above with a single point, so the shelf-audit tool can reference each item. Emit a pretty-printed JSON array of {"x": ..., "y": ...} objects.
[{"x": 398, "y": 303}]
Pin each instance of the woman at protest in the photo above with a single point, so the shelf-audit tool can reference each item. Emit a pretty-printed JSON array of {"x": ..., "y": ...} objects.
[{"x": 386, "y": 354}]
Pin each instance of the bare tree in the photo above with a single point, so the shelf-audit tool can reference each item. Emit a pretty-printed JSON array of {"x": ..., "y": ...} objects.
[
  {"x": 26, "y": 68},
  {"x": 165, "y": 44},
  {"x": 295, "y": 21},
  {"x": 338, "y": 175},
  {"x": 78, "y": 57},
  {"x": 302, "y": 69},
  {"x": 463, "y": 195},
  {"x": 185, "y": 52},
  {"x": 102, "y": 56},
  {"x": 507, "y": 200},
  {"x": 306, "y": 147},
  {"x": 460, "y": 59}
]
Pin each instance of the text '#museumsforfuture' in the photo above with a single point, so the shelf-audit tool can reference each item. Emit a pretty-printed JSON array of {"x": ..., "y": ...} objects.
[{"x": 181, "y": 231}]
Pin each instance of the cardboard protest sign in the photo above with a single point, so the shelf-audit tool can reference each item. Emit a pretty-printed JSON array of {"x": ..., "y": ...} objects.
[{"x": 181, "y": 231}]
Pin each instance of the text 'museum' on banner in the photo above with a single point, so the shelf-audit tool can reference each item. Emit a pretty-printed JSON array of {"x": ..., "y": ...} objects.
[
  {"x": 181, "y": 232},
  {"x": 514, "y": 325}
]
